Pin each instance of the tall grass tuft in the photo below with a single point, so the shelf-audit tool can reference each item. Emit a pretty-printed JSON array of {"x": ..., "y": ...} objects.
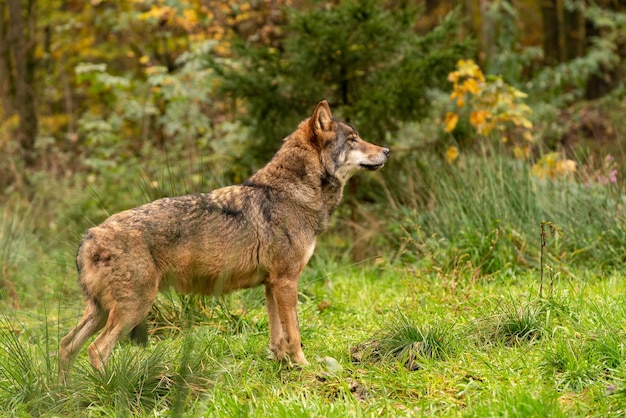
[
  {"x": 16, "y": 245},
  {"x": 484, "y": 210},
  {"x": 607, "y": 334},
  {"x": 173, "y": 312},
  {"x": 134, "y": 380},
  {"x": 571, "y": 364},
  {"x": 403, "y": 340},
  {"x": 26, "y": 370},
  {"x": 514, "y": 323},
  {"x": 518, "y": 402}
]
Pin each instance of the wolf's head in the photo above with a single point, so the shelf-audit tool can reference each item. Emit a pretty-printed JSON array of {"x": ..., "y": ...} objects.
[{"x": 343, "y": 152}]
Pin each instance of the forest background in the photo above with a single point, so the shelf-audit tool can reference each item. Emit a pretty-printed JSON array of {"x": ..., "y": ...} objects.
[
  {"x": 93, "y": 90},
  {"x": 505, "y": 120}
]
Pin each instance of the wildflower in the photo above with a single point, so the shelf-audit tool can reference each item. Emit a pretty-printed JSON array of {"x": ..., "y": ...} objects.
[{"x": 613, "y": 176}]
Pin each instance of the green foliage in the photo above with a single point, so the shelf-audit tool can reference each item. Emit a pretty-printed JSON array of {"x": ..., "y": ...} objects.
[
  {"x": 20, "y": 244},
  {"x": 442, "y": 351},
  {"x": 166, "y": 108},
  {"x": 362, "y": 56},
  {"x": 483, "y": 211},
  {"x": 504, "y": 54},
  {"x": 567, "y": 81},
  {"x": 11, "y": 243},
  {"x": 173, "y": 312}
]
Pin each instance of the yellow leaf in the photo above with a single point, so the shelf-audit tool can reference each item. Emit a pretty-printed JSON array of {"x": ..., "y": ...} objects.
[
  {"x": 538, "y": 170},
  {"x": 566, "y": 166},
  {"x": 478, "y": 117},
  {"x": 157, "y": 13},
  {"x": 521, "y": 153},
  {"x": 528, "y": 136},
  {"x": 155, "y": 69},
  {"x": 452, "y": 153},
  {"x": 471, "y": 85},
  {"x": 451, "y": 120},
  {"x": 144, "y": 59},
  {"x": 485, "y": 128},
  {"x": 468, "y": 68},
  {"x": 519, "y": 94}
]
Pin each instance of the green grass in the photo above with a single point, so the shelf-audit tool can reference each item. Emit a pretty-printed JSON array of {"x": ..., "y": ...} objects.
[
  {"x": 446, "y": 320},
  {"x": 475, "y": 353}
]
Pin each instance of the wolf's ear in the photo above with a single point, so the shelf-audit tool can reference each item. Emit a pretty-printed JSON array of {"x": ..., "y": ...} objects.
[{"x": 322, "y": 119}]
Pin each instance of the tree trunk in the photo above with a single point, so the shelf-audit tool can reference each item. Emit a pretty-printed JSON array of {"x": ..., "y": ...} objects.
[
  {"x": 22, "y": 50},
  {"x": 551, "y": 44},
  {"x": 610, "y": 76},
  {"x": 563, "y": 32},
  {"x": 7, "y": 92}
]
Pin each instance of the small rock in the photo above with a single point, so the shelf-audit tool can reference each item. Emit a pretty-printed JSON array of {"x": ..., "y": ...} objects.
[{"x": 332, "y": 364}]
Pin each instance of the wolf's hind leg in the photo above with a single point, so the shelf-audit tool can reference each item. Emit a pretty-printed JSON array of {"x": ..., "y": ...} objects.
[
  {"x": 93, "y": 320},
  {"x": 128, "y": 308},
  {"x": 122, "y": 319}
]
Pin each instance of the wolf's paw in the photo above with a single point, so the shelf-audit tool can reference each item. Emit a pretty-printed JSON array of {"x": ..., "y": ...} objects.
[{"x": 299, "y": 359}]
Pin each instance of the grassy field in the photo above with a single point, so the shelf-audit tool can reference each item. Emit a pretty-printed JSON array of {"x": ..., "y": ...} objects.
[{"x": 464, "y": 310}]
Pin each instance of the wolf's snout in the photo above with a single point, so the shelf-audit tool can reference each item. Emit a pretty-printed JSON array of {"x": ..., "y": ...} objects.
[
  {"x": 376, "y": 160},
  {"x": 383, "y": 155}
]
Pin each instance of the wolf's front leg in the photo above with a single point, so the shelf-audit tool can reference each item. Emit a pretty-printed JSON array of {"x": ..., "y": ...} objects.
[
  {"x": 282, "y": 300},
  {"x": 277, "y": 336}
]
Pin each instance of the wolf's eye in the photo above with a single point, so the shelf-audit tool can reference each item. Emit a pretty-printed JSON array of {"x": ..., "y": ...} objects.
[{"x": 352, "y": 138}]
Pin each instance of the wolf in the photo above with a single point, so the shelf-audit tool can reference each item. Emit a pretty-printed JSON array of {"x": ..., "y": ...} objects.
[{"x": 261, "y": 232}]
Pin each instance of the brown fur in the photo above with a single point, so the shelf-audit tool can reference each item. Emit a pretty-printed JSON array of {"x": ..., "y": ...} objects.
[{"x": 262, "y": 232}]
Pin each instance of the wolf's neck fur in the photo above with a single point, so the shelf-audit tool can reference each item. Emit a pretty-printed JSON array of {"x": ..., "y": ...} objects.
[{"x": 296, "y": 172}]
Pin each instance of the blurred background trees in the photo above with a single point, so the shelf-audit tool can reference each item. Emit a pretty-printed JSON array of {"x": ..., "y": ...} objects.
[
  {"x": 18, "y": 37},
  {"x": 90, "y": 89},
  {"x": 110, "y": 76}
]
